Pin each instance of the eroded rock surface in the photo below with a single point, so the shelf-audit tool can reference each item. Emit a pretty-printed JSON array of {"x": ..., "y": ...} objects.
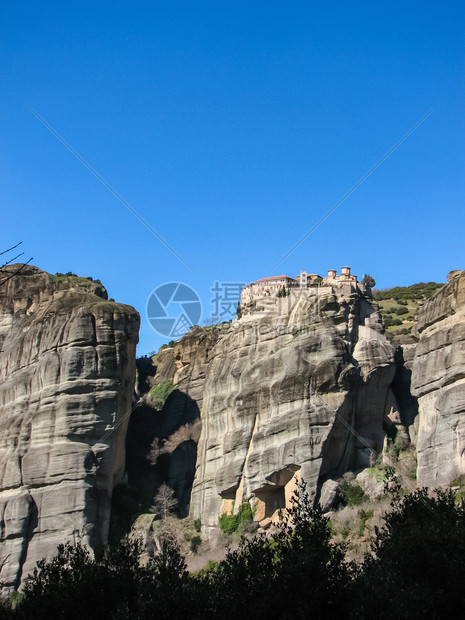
[
  {"x": 301, "y": 392},
  {"x": 298, "y": 387},
  {"x": 162, "y": 437},
  {"x": 438, "y": 380},
  {"x": 67, "y": 370}
]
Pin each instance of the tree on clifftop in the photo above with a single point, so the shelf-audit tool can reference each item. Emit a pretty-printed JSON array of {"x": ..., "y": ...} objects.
[{"x": 368, "y": 281}]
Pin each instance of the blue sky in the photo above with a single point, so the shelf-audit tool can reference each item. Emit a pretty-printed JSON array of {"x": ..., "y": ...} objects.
[{"x": 231, "y": 128}]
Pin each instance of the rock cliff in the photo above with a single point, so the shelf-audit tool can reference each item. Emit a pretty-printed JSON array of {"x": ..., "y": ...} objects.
[
  {"x": 438, "y": 381},
  {"x": 300, "y": 386},
  {"x": 297, "y": 387},
  {"x": 162, "y": 437},
  {"x": 67, "y": 369}
]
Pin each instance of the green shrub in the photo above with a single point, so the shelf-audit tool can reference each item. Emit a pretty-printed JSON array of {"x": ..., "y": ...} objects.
[
  {"x": 397, "y": 444},
  {"x": 230, "y": 523},
  {"x": 345, "y": 532},
  {"x": 211, "y": 566},
  {"x": 195, "y": 543},
  {"x": 389, "y": 321},
  {"x": 378, "y": 470},
  {"x": 364, "y": 515},
  {"x": 401, "y": 310},
  {"x": 352, "y": 494},
  {"x": 404, "y": 331},
  {"x": 244, "y": 513},
  {"x": 203, "y": 576},
  {"x": 458, "y": 482}
]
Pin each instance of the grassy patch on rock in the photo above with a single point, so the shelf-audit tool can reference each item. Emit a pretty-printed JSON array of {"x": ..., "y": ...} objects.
[{"x": 160, "y": 392}]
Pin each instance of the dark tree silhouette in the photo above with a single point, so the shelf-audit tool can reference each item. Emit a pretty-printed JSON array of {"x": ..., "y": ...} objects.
[{"x": 368, "y": 281}]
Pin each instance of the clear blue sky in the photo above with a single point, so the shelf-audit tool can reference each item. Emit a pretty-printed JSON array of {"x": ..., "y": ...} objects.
[{"x": 231, "y": 128}]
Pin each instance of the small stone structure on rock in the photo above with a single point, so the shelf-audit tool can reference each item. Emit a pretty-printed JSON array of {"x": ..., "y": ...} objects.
[{"x": 257, "y": 293}]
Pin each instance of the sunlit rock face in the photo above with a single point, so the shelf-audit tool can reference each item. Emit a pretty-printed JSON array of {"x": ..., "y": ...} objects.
[
  {"x": 298, "y": 387},
  {"x": 438, "y": 381},
  {"x": 67, "y": 370}
]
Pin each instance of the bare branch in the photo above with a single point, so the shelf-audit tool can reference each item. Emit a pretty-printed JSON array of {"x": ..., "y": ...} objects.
[
  {"x": 12, "y": 248},
  {"x": 165, "y": 501},
  {"x": 8, "y": 262},
  {"x": 15, "y": 273}
]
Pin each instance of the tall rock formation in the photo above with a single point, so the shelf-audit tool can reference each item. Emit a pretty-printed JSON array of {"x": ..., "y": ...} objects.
[
  {"x": 438, "y": 381},
  {"x": 299, "y": 386},
  {"x": 298, "y": 392},
  {"x": 67, "y": 370}
]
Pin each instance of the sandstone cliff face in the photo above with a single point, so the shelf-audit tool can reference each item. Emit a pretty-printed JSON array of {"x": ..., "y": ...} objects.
[
  {"x": 162, "y": 441},
  {"x": 300, "y": 388},
  {"x": 438, "y": 380},
  {"x": 67, "y": 369},
  {"x": 296, "y": 393}
]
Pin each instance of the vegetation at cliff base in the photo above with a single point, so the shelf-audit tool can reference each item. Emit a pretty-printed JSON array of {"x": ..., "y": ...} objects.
[
  {"x": 417, "y": 565},
  {"x": 415, "y": 569},
  {"x": 352, "y": 494},
  {"x": 233, "y": 522}
]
